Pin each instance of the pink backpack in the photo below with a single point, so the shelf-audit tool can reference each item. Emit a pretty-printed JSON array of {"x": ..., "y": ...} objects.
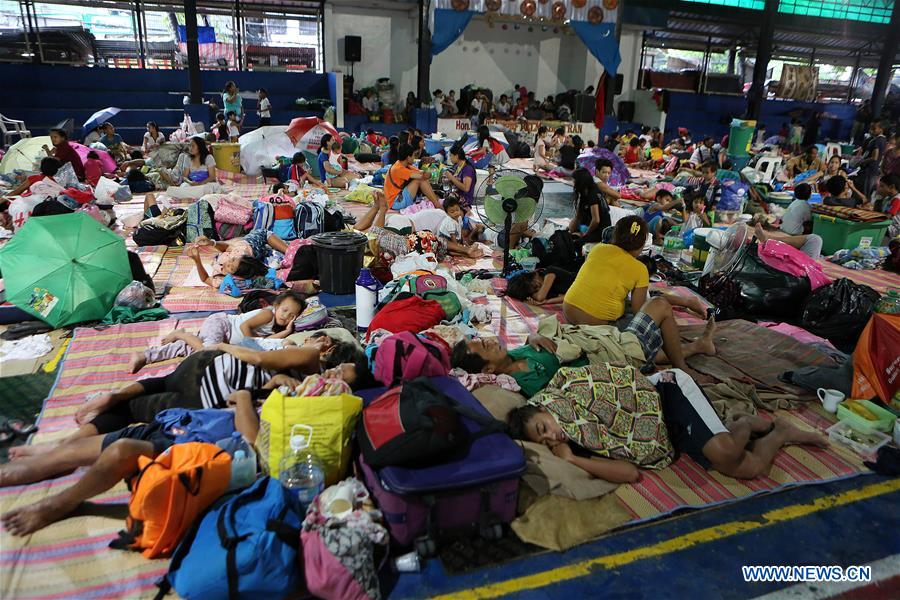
[
  {"x": 405, "y": 356},
  {"x": 788, "y": 259}
]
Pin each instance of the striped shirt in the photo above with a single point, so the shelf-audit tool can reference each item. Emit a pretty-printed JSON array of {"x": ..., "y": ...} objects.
[{"x": 227, "y": 374}]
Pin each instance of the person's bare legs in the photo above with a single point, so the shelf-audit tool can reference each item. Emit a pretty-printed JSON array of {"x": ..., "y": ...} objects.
[
  {"x": 375, "y": 215},
  {"x": 277, "y": 243},
  {"x": 730, "y": 458},
  {"x": 795, "y": 241},
  {"x": 21, "y": 452},
  {"x": 118, "y": 461},
  {"x": 423, "y": 186},
  {"x": 53, "y": 461},
  {"x": 692, "y": 303},
  {"x": 149, "y": 200},
  {"x": 93, "y": 407},
  {"x": 674, "y": 352}
]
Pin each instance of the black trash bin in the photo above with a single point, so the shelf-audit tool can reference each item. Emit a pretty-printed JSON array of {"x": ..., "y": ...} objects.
[{"x": 340, "y": 257}]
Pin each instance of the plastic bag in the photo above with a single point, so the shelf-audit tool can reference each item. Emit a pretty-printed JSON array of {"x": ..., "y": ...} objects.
[
  {"x": 839, "y": 312},
  {"x": 137, "y": 296},
  {"x": 733, "y": 195}
]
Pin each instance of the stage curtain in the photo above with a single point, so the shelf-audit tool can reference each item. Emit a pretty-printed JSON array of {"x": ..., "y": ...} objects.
[
  {"x": 601, "y": 41},
  {"x": 448, "y": 26}
]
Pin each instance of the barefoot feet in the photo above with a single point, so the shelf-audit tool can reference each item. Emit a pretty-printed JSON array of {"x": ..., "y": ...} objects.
[
  {"x": 172, "y": 337},
  {"x": 793, "y": 435},
  {"x": 93, "y": 407},
  {"x": 28, "y": 519},
  {"x": 137, "y": 361},
  {"x": 704, "y": 344}
]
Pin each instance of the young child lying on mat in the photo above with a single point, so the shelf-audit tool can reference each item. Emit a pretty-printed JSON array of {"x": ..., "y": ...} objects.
[
  {"x": 744, "y": 450},
  {"x": 242, "y": 257},
  {"x": 274, "y": 323},
  {"x": 544, "y": 286},
  {"x": 114, "y": 456}
]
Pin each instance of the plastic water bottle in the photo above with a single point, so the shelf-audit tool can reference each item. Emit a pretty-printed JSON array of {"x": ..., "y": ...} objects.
[
  {"x": 366, "y": 298},
  {"x": 889, "y": 303},
  {"x": 673, "y": 244},
  {"x": 243, "y": 460},
  {"x": 301, "y": 471}
]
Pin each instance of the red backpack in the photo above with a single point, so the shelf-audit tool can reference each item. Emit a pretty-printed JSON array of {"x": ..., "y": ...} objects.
[
  {"x": 412, "y": 313},
  {"x": 405, "y": 356}
]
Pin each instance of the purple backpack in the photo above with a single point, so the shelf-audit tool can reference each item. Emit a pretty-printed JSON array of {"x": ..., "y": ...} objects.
[{"x": 405, "y": 356}]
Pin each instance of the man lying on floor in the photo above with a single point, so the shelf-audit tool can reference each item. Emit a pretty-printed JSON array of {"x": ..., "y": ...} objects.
[
  {"x": 651, "y": 337},
  {"x": 114, "y": 456},
  {"x": 609, "y": 421}
]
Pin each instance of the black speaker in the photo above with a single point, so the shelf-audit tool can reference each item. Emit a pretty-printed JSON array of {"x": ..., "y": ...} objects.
[
  {"x": 620, "y": 82},
  {"x": 585, "y": 107},
  {"x": 352, "y": 48},
  {"x": 626, "y": 111}
]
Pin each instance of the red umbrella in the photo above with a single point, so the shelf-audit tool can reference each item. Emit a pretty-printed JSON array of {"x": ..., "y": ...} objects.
[
  {"x": 305, "y": 132},
  {"x": 106, "y": 161}
]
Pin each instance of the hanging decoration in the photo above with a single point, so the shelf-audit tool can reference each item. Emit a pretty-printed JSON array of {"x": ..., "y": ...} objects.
[
  {"x": 493, "y": 5},
  {"x": 579, "y": 3},
  {"x": 544, "y": 1},
  {"x": 610, "y": 4},
  {"x": 528, "y": 7},
  {"x": 559, "y": 10},
  {"x": 460, "y": 4},
  {"x": 595, "y": 15}
]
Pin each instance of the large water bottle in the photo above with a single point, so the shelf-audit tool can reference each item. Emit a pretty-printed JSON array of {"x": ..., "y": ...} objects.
[
  {"x": 366, "y": 298},
  {"x": 301, "y": 471},
  {"x": 673, "y": 244},
  {"x": 243, "y": 460}
]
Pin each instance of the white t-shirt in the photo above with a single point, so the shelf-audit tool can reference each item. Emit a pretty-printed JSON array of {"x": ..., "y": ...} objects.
[
  {"x": 798, "y": 213},
  {"x": 265, "y": 108},
  {"x": 476, "y": 104},
  {"x": 450, "y": 228},
  {"x": 503, "y": 108},
  {"x": 237, "y": 320},
  {"x": 150, "y": 143},
  {"x": 429, "y": 219},
  {"x": 233, "y": 130},
  {"x": 370, "y": 104}
]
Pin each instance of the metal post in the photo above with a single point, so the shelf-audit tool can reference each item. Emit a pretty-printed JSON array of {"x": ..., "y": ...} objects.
[
  {"x": 853, "y": 75},
  {"x": 886, "y": 63},
  {"x": 812, "y": 58},
  {"x": 640, "y": 77},
  {"x": 732, "y": 56},
  {"x": 193, "y": 51},
  {"x": 322, "y": 32},
  {"x": 240, "y": 34},
  {"x": 763, "y": 54},
  {"x": 139, "y": 31},
  {"x": 30, "y": 11},
  {"x": 424, "y": 68},
  {"x": 26, "y": 28},
  {"x": 704, "y": 75}
]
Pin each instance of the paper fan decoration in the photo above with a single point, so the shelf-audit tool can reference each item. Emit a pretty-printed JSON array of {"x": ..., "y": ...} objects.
[
  {"x": 558, "y": 11},
  {"x": 610, "y": 4},
  {"x": 595, "y": 15},
  {"x": 528, "y": 7},
  {"x": 460, "y": 4}
]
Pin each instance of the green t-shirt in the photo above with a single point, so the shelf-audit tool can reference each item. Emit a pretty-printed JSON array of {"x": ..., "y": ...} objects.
[{"x": 542, "y": 366}]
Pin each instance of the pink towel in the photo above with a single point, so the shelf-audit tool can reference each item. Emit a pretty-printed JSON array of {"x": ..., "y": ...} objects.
[{"x": 788, "y": 259}]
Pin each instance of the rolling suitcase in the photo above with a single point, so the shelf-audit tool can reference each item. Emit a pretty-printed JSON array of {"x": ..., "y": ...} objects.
[{"x": 478, "y": 492}]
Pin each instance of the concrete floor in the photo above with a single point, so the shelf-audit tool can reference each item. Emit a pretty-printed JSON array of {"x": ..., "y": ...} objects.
[{"x": 700, "y": 554}]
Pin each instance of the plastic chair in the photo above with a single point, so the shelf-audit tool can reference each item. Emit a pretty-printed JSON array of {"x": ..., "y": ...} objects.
[
  {"x": 768, "y": 166},
  {"x": 12, "y": 128},
  {"x": 832, "y": 149}
]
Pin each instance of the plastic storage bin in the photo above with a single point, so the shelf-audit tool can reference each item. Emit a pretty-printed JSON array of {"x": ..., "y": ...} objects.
[
  {"x": 839, "y": 234},
  {"x": 227, "y": 156},
  {"x": 865, "y": 443},
  {"x": 340, "y": 257},
  {"x": 884, "y": 423}
]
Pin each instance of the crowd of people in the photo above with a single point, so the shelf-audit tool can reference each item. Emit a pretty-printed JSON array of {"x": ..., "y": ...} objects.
[{"x": 421, "y": 205}]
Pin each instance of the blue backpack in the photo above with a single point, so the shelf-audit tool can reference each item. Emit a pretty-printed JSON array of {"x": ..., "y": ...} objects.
[
  {"x": 309, "y": 219},
  {"x": 246, "y": 546},
  {"x": 200, "y": 221},
  {"x": 203, "y": 425}
]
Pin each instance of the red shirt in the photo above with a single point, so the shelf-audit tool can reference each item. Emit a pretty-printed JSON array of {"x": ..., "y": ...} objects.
[
  {"x": 893, "y": 207},
  {"x": 66, "y": 154},
  {"x": 93, "y": 170},
  {"x": 631, "y": 155}
]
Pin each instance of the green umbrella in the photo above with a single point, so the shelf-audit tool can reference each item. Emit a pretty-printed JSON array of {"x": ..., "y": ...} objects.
[{"x": 64, "y": 269}]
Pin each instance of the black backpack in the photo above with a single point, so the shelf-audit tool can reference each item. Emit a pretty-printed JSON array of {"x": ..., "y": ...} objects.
[
  {"x": 149, "y": 235},
  {"x": 417, "y": 425},
  {"x": 559, "y": 251}
]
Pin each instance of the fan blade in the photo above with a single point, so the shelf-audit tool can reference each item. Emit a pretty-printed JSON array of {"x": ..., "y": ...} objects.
[
  {"x": 509, "y": 185},
  {"x": 524, "y": 210},
  {"x": 493, "y": 210}
]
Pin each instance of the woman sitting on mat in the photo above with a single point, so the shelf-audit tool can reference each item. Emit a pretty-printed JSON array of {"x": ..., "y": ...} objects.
[
  {"x": 610, "y": 274},
  {"x": 403, "y": 183}
]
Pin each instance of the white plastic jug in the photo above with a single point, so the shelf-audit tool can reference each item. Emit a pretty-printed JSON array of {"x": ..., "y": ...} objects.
[{"x": 366, "y": 298}]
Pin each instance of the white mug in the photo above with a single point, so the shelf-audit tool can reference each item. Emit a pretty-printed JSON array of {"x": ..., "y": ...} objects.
[{"x": 830, "y": 399}]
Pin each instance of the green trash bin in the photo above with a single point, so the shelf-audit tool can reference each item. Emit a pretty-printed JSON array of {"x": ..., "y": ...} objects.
[{"x": 741, "y": 137}]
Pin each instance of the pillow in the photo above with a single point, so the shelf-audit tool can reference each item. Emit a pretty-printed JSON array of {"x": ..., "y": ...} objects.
[
  {"x": 497, "y": 401},
  {"x": 337, "y": 333},
  {"x": 546, "y": 473}
]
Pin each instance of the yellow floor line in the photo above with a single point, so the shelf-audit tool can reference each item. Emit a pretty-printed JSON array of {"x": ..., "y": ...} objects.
[{"x": 701, "y": 536}]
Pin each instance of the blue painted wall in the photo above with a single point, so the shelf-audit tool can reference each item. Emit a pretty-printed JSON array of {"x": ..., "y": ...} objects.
[
  {"x": 44, "y": 95},
  {"x": 711, "y": 114}
]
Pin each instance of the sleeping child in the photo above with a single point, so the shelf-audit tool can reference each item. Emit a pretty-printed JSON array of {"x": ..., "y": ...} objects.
[
  {"x": 242, "y": 257},
  {"x": 275, "y": 323},
  {"x": 544, "y": 286}
]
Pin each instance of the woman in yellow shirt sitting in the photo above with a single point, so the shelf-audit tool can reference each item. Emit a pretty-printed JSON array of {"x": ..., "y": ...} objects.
[{"x": 612, "y": 272}]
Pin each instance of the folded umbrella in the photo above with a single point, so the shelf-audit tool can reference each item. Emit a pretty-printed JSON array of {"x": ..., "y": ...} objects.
[{"x": 64, "y": 269}]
